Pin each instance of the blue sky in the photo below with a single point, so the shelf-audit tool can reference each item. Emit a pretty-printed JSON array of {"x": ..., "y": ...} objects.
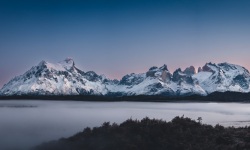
[{"x": 116, "y": 37}]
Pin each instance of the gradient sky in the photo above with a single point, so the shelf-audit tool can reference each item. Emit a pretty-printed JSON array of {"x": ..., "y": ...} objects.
[{"x": 116, "y": 37}]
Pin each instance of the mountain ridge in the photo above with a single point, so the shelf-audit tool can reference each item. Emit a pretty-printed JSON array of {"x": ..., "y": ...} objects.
[{"x": 64, "y": 78}]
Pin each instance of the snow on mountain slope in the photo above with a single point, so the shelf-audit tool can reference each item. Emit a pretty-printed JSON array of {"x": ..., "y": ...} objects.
[
  {"x": 156, "y": 81},
  {"x": 64, "y": 78},
  {"x": 223, "y": 77}
]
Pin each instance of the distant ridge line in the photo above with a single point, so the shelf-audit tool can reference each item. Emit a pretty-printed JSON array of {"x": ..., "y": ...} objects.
[{"x": 213, "y": 97}]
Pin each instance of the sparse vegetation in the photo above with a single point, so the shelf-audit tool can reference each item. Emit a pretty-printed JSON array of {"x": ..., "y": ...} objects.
[{"x": 152, "y": 134}]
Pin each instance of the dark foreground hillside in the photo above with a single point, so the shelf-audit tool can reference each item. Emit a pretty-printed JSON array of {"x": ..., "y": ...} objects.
[
  {"x": 152, "y": 134},
  {"x": 213, "y": 97}
]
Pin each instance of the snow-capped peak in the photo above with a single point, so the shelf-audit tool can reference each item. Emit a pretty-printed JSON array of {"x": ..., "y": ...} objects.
[
  {"x": 164, "y": 67},
  {"x": 223, "y": 77},
  {"x": 68, "y": 63},
  {"x": 63, "y": 78},
  {"x": 190, "y": 70},
  {"x": 64, "y": 65}
]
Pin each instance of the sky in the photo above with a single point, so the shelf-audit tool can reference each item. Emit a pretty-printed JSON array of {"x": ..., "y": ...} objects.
[{"x": 118, "y": 37}]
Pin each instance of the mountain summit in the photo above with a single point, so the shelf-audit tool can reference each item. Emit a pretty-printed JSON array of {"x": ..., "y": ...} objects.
[{"x": 64, "y": 78}]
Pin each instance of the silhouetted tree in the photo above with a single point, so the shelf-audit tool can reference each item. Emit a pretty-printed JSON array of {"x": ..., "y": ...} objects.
[{"x": 152, "y": 134}]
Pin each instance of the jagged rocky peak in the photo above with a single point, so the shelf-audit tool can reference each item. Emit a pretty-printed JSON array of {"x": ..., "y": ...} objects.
[
  {"x": 63, "y": 78},
  {"x": 132, "y": 79},
  {"x": 222, "y": 68},
  {"x": 50, "y": 70},
  {"x": 180, "y": 76},
  {"x": 199, "y": 69},
  {"x": 227, "y": 67},
  {"x": 68, "y": 63},
  {"x": 69, "y": 60},
  {"x": 207, "y": 67},
  {"x": 92, "y": 76},
  {"x": 42, "y": 65},
  {"x": 162, "y": 73},
  {"x": 151, "y": 72},
  {"x": 153, "y": 68},
  {"x": 166, "y": 76},
  {"x": 126, "y": 79},
  {"x": 189, "y": 71},
  {"x": 155, "y": 71},
  {"x": 177, "y": 74},
  {"x": 164, "y": 67}
]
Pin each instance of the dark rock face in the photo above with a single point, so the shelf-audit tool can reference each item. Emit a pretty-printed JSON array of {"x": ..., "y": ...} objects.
[
  {"x": 179, "y": 76},
  {"x": 176, "y": 75},
  {"x": 153, "y": 68},
  {"x": 105, "y": 81},
  {"x": 115, "y": 81},
  {"x": 189, "y": 71},
  {"x": 38, "y": 72},
  {"x": 42, "y": 64},
  {"x": 164, "y": 67},
  {"x": 189, "y": 80},
  {"x": 206, "y": 68},
  {"x": 49, "y": 75},
  {"x": 150, "y": 73},
  {"x": 166, "y": 76},
  {"x": 131, "y": 79},
  {"x": 199, "y": 69},
  {"x": 240, "y": 80},
  {"x": 125, "y": 80},
  {"x": 81, "y": 91},
  {"x": 79, "y": 71},
  {"x": 70, "y": 60},
  {"x": 155, "y": 87},
  {"x": 245, "y": 70},
  {"x": 92, "y": 76},
  {"x": 227, "y": 67}
]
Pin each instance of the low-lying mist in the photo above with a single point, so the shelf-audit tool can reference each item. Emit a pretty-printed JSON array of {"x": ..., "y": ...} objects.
[{"x": 27, "y": 123}]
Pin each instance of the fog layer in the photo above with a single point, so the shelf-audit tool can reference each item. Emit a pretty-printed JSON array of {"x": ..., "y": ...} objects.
[{"x": 27, "y": 123}]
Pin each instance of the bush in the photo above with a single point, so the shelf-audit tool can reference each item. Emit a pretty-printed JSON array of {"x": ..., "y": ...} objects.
[{"x": 152, "y": 134}]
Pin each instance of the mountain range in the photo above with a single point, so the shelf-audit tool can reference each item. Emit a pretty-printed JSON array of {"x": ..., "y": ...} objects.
[{"x": 64, "y": 78}]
